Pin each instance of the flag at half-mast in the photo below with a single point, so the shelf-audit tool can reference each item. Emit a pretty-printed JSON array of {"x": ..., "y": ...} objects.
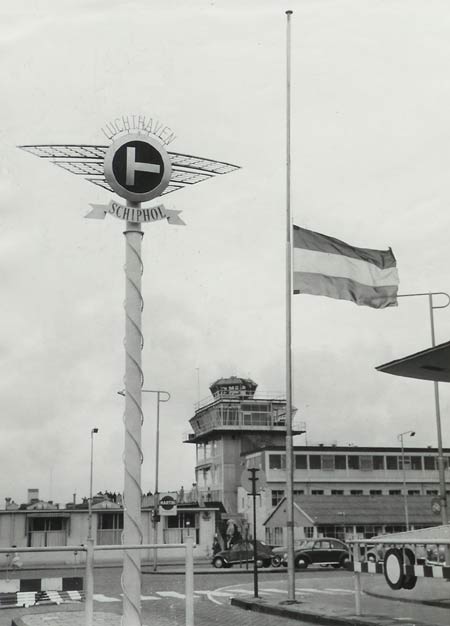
[{"x": 325, "y": 266}]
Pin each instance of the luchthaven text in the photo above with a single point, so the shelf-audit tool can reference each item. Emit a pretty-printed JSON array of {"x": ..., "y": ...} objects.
[{"x": 138, "y": 123}]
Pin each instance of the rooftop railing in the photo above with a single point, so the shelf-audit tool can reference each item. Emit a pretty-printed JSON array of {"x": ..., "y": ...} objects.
[{"x": 239, "y": 396}]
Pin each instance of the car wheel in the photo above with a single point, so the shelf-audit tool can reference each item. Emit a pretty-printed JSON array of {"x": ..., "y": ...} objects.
[
  {"x": 301, "y": 562},
  {"x": 276, "y": 561},
  {"x": 371, "y": 558},
  {"x": 219, "y": 562},
  {"x": 345, "y": 562},
  {"x": 259, "y": 562},
  {"x": 335, "y": 565},
  {"x": 267, "y": 563}
]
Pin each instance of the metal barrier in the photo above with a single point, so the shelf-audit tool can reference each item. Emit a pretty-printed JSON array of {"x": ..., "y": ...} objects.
[
  {"x": 401, "y": 561},
  {"x": 90, "y": 550}
]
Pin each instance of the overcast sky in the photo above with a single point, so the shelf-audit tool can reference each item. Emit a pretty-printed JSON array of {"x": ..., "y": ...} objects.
[{"x": 370, "y": 165}]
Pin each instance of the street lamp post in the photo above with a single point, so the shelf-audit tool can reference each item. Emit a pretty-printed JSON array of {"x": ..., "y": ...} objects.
[
  {"x": 162, "y": 396},
  {"x": 166, "y": 398},
  {"x": 411, "y": 433},
  {"x": 93, "y": 432},
  {"x": 441, "y": 460}
]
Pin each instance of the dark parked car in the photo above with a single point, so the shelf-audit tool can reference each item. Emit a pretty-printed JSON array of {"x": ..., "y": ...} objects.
[
  {"x": 324, "y": 551},
  {"x": 243, "y": 552}
]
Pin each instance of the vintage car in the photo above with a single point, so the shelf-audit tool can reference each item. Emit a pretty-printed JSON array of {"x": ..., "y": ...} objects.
[{"x": 241, "y": 553}]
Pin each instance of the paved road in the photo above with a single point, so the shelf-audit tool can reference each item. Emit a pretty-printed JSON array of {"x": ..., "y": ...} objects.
[{"x": 163, "y": 600}]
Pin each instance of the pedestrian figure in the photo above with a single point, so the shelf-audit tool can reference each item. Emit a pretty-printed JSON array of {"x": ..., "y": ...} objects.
[
  {"x": 16, "y": 561},
  {"x": 216, "y": 545}
]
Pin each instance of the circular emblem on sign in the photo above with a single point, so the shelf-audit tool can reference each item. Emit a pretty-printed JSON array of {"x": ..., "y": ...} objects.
[
  {"x": 436, "y": 506},
  {"x": 167, "y": 503},
  {"x": 137, "y": 167}
]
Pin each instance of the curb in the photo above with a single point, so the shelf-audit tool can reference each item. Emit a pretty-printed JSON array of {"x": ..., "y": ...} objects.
[
  {"x": 315, "y": 618},
  {"x": 441, "y": 604},
  {"x": 211, "y": 570}
]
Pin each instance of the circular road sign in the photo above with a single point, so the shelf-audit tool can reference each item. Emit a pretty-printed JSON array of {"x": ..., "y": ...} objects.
[
  {"x": 436, "y": 506},
  {"x": 167, "y": 503},
  {"x": 137, "y": 167}
]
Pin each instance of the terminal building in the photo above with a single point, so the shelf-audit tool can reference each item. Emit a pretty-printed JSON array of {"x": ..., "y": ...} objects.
[
  {"x": 342, "y": 491},
  {"x": 238, "y": 428}
]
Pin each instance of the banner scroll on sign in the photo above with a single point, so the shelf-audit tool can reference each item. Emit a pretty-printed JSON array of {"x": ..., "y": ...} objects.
[{"x": 133, "y": 214}]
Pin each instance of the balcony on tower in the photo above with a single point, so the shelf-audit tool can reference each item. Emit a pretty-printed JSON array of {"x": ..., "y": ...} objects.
[{"x": 235, "y": 406}]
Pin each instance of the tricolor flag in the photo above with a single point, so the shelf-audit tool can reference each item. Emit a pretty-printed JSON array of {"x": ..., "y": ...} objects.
[{"x": 324, "y": 266}]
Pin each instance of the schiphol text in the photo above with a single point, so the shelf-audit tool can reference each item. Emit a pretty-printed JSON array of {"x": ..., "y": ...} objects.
[{"x": 131, "y": 214}]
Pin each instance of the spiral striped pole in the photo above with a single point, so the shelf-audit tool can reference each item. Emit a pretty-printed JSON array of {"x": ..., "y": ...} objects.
[{"x": 132, "y": 527}]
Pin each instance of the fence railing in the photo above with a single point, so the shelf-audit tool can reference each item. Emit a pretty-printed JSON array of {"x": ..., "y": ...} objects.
[
  {"x": 422, "y": 549},
  {"x": 90, "y": 548}
]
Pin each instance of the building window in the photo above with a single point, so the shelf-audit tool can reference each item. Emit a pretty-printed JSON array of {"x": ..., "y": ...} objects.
[
  {"x": 391, "y": 462},
  {"x": 317, "y": 492},
  {"x": 299, "y": 492},
  {"x": 378, "y": 462},
  {"x": 109, "y": 529},
  {"x": 301, "y": 461},
  {"x": 327, "y": 463},
  {"x": 416, "y": 462},
  {"x": 47, "y": 531},
  {"x": 413, "y": 492},
  {"x": 376, "y": 492},
  {"x": 395, "y": 529},
  {"x": 277, "y": 496},
  {"x": 353, "y": 462},
  {"x": 274, "y": 536},
  {"x": 277, "y": 461},
  {"x": 432, "y": 492},
  {"x": 181, "y": 526},
  {"x": 366, "y": 463},
  {"x": 309, "y": 531},
  {"x": 315, "y": 461},
  {"x": 337, "y": 492},
  {"x": 356, "y": 492},
  {"x": 406, "y": 460},
  {"x": 340, "y": 462},
  {"x": 429, "y": 462},
  {"x": 395, "y": 492}
]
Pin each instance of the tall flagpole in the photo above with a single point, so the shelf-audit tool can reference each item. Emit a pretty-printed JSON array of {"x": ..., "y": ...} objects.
[{"x": 289, "y": 447}]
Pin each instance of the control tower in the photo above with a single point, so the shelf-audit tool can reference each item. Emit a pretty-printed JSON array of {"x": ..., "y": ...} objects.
[{"x": 234, "y": 421}]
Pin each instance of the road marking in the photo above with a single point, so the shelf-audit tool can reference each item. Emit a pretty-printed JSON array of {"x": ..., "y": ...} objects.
[
  {"x": 341, "y": 590},
  {"x": 99, "y": 597},
  {"x": 150, "y": 598},
  {"x": 171, "y": 594}
]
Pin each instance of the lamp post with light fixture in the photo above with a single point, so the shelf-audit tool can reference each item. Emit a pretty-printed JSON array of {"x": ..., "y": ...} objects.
[
  {"x": 441, "y": 459},
  {"x": 93, "y": 432},
  {"x": 411, "y": 433},
  {"x": 162, "y": 396}
]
